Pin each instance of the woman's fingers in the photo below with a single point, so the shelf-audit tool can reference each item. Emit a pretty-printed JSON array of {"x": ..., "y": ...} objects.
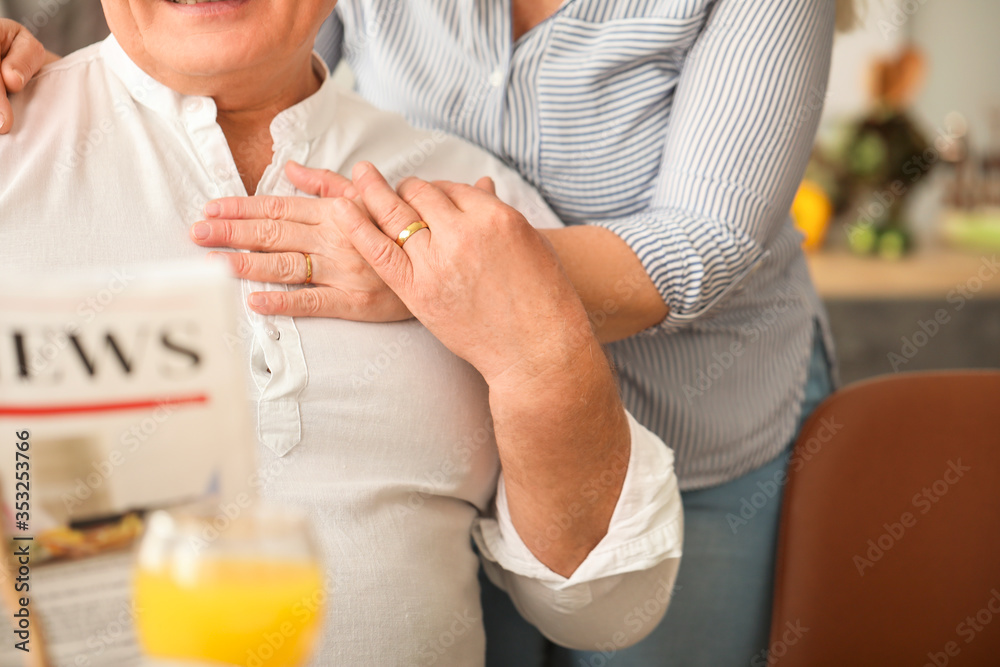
[
  {"x": 259, "y": 235},
  {"x": 320, "y": 182},
  {"x": 388, "y": 260},
  {"x": 288, "y": 268},
  {"x": 21, "y": 56}
]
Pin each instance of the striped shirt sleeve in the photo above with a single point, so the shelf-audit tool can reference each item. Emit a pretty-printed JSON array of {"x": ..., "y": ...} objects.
[
  {"x": 745, "y": 114},
  {"x": 330, "y": 41}
]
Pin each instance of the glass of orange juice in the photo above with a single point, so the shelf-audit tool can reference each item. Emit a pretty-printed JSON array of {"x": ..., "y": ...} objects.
[{"x": 211, "y": 589}]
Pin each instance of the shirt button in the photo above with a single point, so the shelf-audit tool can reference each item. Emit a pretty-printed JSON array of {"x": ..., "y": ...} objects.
[
  {"x": 193, "y": 105},
  {"x": 272, "y": 333},
  {"x": 497, "y": 78}
]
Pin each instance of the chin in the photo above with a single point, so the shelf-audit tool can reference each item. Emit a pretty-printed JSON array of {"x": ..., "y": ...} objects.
[
  {"x": 193, "y": 47},
  {"x": 208, "y": 55}
]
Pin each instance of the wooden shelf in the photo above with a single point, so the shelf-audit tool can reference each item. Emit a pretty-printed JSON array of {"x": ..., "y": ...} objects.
[{"x": 930, "y": 274}]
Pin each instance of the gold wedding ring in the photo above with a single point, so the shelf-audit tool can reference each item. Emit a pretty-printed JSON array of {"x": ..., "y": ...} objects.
[
  {"x": 405, "y": 235},
  {"x": 309, "y": 269}
]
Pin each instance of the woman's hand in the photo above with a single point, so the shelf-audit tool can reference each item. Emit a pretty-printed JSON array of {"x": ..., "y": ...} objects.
[
  {"x": 21, "y": 56},
  {"x": 280, "y": 230},
  {"x": 481, "y": 279}
]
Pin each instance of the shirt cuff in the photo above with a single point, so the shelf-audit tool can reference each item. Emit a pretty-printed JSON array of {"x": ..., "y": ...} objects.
[{"x": 646, "y": 528}]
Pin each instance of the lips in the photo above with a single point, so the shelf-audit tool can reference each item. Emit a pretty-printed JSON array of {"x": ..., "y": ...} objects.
[{"x": 207, "y": 8}]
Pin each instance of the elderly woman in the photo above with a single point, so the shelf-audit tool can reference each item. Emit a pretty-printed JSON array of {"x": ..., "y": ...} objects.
[{"x": 393, "y": 436}]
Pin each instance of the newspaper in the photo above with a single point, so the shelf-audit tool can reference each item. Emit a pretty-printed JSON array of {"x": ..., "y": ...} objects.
[{"x": 118, "y": 395}]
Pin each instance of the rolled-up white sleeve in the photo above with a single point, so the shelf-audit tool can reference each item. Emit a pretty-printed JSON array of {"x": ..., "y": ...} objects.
[{"x": 621, "y": 591}]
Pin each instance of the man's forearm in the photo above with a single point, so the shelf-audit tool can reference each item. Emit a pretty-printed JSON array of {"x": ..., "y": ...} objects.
[{"x": 564, "y": 444}]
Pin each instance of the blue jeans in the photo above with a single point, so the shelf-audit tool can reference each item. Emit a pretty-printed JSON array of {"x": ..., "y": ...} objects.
[{"x": 720, "y": 614}]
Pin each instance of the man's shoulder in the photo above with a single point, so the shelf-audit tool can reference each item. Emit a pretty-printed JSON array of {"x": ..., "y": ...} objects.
[
  {"x": 57, "y": 86},
  {"x": 77, "y": 64}
]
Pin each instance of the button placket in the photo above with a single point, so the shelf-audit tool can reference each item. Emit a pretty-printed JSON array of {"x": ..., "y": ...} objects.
[{"x": 279, "y": 424}]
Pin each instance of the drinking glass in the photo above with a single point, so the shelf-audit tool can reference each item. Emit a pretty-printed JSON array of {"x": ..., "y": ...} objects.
[{"x": 247, "y": 591}]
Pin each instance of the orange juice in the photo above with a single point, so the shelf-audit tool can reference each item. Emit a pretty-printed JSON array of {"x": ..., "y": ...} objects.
[{"x": 252, "y": 613}]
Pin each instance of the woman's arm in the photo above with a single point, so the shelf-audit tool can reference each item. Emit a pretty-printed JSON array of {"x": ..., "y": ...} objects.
[
  {"x": 742, "y": 127},
  {"x": 743, "y": 123},
  {"x": 620, "y": 297},
  {"x": 21, "y": 56}
]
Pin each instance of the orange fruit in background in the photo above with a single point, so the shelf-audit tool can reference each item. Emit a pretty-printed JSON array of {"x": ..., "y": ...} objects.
[{"x": 812, "y": 211}]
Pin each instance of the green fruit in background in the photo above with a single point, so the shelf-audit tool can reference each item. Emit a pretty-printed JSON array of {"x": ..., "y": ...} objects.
[
  {"x": 893, "y": 244},
  {"x": 862, "y": 239},
  {"x": 868, "y": 154}
]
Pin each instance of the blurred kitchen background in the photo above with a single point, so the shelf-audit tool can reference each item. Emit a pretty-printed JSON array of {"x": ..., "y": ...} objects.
[{"x": 901, "y": 204}]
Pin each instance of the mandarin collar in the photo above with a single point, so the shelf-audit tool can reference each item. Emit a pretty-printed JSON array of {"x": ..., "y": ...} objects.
[{"x": 304, "y": 121}]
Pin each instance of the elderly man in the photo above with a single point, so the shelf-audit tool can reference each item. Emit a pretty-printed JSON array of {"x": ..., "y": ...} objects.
[{"x": 392, "y": 436}]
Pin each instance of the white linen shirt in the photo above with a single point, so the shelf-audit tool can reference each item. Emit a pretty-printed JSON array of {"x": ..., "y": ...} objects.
[{"x": 380, "y": 433}]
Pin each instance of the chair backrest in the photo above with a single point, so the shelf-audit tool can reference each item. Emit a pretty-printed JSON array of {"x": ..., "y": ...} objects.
[{"x": 889, "y": 546}]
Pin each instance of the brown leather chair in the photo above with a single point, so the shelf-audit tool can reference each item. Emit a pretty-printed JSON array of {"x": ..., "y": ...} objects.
[{"x": 889, "y": 546}]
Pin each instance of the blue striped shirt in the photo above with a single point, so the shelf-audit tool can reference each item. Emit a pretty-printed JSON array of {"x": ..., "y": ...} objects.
[{"x": 684, "y": 126}]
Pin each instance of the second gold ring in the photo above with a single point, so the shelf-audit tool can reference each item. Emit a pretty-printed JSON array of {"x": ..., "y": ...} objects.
[{"x": 405, "y": 235}]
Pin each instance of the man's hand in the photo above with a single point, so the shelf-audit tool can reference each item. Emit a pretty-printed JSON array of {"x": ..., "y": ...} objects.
[{"x": 21, "y": 56}]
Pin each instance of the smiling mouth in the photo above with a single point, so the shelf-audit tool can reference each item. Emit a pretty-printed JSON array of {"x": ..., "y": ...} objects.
[{"x": 194, "y": 2}]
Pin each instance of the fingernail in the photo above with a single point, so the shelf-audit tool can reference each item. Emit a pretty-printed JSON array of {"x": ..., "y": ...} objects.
[
  {"x": 201, "y": 231},
  {"x": 3, "y": 121},
  {"x": 20, "y": 76},
  {"x": 257, "y": 300},
  {"x": 212, "y": 209}
]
